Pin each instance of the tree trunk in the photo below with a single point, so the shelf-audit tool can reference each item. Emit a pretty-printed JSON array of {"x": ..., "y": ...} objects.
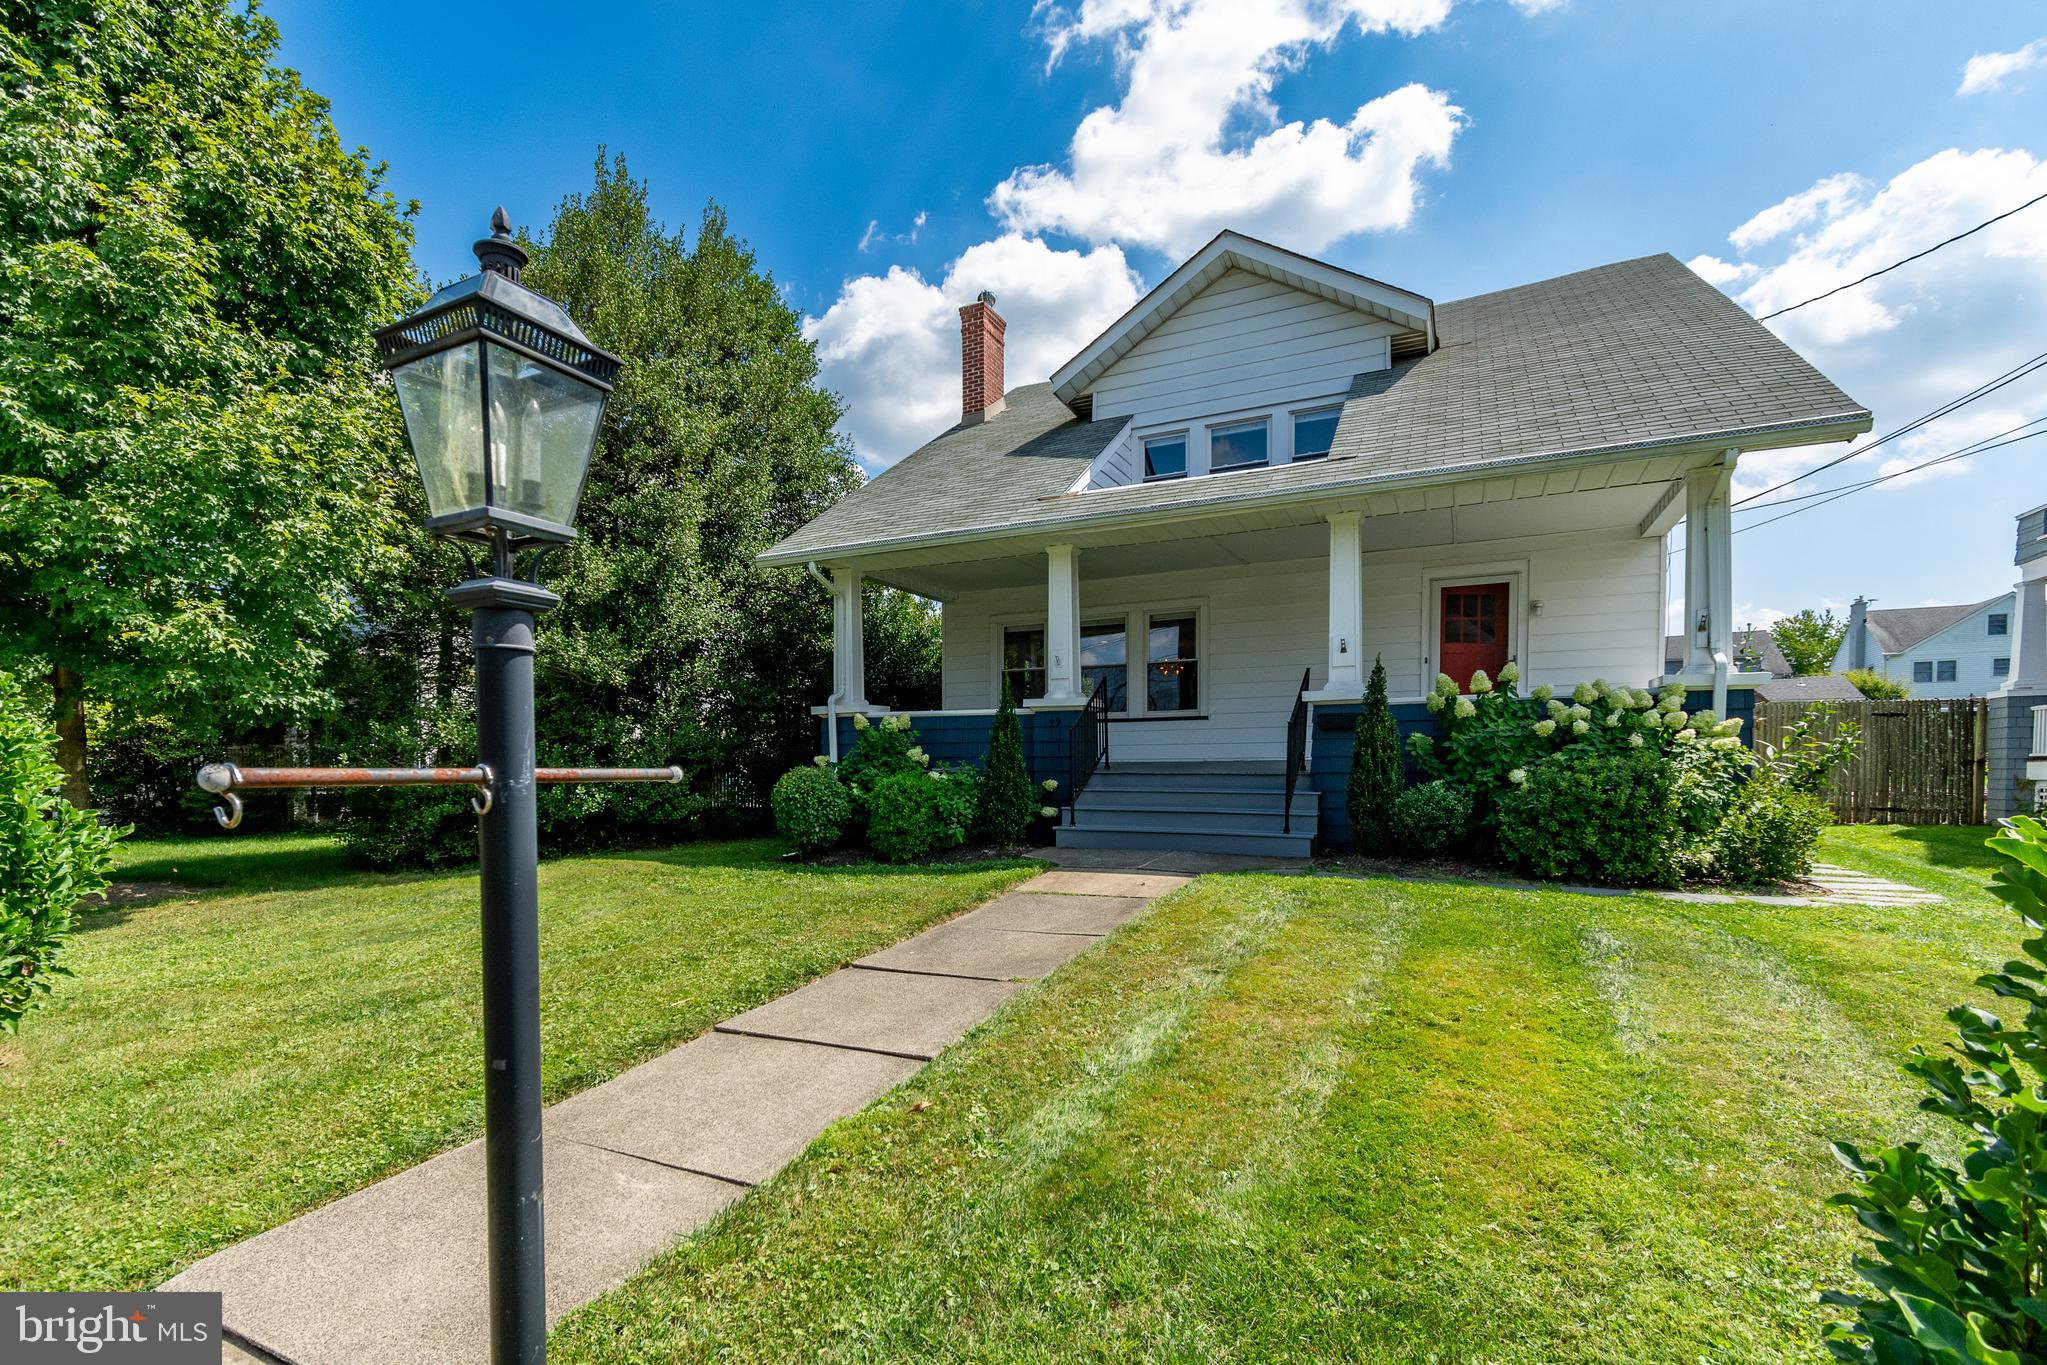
[{"x": 67, "y": 691}]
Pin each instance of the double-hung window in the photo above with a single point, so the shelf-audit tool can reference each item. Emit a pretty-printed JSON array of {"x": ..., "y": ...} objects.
[
  {"x": 1023, "y": 660},
  {"x": 2000, "y": 623},
  {"x": 1315, "y": 432},
  {"x": 2000, "y": 668},
  {"x": 1165, "y": 457},
  {"x": 1239, "y": 445},
  {"x": 1944, "y": 670},
  {"x": 1922, "y": 671},
  {"x": 1105, "y": 662},
  {"x": 1172, "y": 673}
]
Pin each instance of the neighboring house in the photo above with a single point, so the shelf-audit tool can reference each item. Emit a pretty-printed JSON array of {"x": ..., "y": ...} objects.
[
  {"x": 1749, "y": 643},
  {"x": 1821, "y": 687},
  {"x": 1959, "y": 651},
  {"x": 1270, "y": 472}
]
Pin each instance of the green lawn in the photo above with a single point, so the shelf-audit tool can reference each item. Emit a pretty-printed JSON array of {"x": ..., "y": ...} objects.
[
  {"x": 223, "y": 1062},
  {"x": 1287, "y": 1117}
]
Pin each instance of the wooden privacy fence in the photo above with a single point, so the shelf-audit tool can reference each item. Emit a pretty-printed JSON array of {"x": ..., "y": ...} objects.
[{"x": 1922, "y": 762}]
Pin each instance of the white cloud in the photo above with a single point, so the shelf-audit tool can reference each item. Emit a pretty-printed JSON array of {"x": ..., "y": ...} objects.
[
  {"x": 1910, "y": 340},
  {"x": 874, "y": 236},
  {"x": 1538, "y": 6},
  {"x": 1988, "y": 70},
  {"x": 890, "y": 343},
  {"x": 1197, "y": 75}
]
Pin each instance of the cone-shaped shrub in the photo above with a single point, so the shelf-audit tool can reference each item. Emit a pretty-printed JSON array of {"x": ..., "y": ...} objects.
[
  {"x": 1375, "y": 769},
  {"x": 1007, "y": 800}
]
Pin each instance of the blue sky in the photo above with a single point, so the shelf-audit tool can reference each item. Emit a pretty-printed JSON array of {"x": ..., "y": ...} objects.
[{"x": 888, "y": 160}]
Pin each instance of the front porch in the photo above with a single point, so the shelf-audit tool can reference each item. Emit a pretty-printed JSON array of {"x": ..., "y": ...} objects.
[{"x": 1202, "y": 634}]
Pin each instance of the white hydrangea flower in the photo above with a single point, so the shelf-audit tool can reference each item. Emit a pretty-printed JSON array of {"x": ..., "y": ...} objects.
[
  {"x": 1613, "y": 718},
  {"x": 1688, "y": 733},
  {"x": 1510, "y": 673},
  {"x": 1465, "y": 710},
  {"x": 1671, "y": 706},
  {"x": 1050, "y": 784},
  {"x": 1581, "y": 713},
  {"x": 1730, "y": 726},
  {"x": 1545, "y": 728},
  {"x": 1724, "y": 742},
  {"x": 1579, "y": 727},
  {"x": 1543, "y": 692},
  {"x": 1435, "y": 702},
  {"x": 1635, "y": 740},
  {"x": 859, "y": 720},
  {"x": 1674, "y": 720},
  {"x": 1705, "y": 720},
  {"x": 1049, "y": 812},
  {"x": 895, "y": 722},
  {"x": 919, "y": 757},
  {"x": 1446, "y": 685},
  {"x": 1480, "y": 683},
  {"x": 1558, "y": 710},
  {"x": 1644, "y": 699},
  {"x": 822, "y": 761},
  {"x": 1584, "y": 694},
  {"x": 1518, "y": 776}
]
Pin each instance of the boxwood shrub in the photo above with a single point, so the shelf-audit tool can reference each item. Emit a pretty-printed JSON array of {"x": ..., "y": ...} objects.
[
  {"x": 912, "y": 815},
  {"x": 1432, "y": 819},
  {"x": 1593, "y": 813},
  {"x": 812, "y": 808}
]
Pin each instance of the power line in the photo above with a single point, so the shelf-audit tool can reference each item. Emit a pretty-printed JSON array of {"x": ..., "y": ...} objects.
[
  {"x": 1840, "y": 493},
  {"x": 1872, "y": 482},
  {"x": 1917, "y": 255},
  {"x": 1983, "y": 390}
]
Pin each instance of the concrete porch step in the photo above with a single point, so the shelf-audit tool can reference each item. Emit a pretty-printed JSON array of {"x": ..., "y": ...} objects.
[
  {"x": 1171, "y": 798},
  {"x": 1124, "y": 835},
  {"x": 1191, "y": 778}
]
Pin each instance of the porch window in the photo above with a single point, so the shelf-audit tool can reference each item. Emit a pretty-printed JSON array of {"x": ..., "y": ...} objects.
[
  {"x": 1172, "y": 668},
  {"x": 1314, "y": 432},
  {"x": 1023, "y": 660},
  {"x": 1105, "y": 661},
  {"x": 1165, "y": 457},
  {"x": 1239, "y": 445}
]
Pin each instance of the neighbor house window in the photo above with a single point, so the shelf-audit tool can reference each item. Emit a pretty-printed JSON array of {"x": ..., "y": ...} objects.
[
  {"x": 1023, "y": 660},
  {"x": 1239, "y": 445},
  {"x": 1314, "y": 433},
  {"x": 2000, "y": 623},
  {"x": 1172, "y": 668},
  {"x": 1944, "y": 670},
  {"x": 1165, "y": 457},
  {"x": 2000, "y": 668},
  {"x": 1922, "y": 671},
  {"x": 1105, "y": 662}
]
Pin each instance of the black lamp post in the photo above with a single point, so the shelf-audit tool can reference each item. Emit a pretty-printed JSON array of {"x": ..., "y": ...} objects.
[{"x": 502, "y": 395}]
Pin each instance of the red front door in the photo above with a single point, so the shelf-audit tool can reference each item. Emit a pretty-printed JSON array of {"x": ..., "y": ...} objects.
[{"x": 1474, "y": 631}]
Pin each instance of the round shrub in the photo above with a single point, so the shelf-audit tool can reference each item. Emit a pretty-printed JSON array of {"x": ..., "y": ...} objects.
[
  {"x": 811, "y": 808},
  {"x": 910, "y": 815},
  {"x": 1769, "y": 834},
  {"x": 1593, "y": 813},
  {"x": 1432, "y": 819}
]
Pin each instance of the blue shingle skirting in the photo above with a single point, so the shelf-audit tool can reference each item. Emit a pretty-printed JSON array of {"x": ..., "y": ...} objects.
[
  {"x": 956, "y": 741},
  {"x": 2008, "y": 737}
]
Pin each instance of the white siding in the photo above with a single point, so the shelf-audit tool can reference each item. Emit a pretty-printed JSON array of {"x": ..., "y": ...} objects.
[
  {"x": 1601, "y": 616},
  {"x": 1968, "y": 642},
  {"x": 1244, "y": 342},
  {"x": 1120, "y": 464}
]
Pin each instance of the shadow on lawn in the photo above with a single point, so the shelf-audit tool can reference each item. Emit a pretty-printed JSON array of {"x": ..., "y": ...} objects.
[
  {"x": 1958, "y": 846},
  {"x": 767, "y": 855}
]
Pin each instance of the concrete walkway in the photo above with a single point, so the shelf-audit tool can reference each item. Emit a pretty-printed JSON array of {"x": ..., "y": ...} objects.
[{"x": 393, "y": 1274}]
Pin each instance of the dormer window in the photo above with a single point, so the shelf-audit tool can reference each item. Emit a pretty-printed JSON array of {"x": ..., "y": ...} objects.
[
  {"x": 1239, "y": 445},
  {"x": 1165, "y": 457},
  {"x": 1315, "y": 432}
]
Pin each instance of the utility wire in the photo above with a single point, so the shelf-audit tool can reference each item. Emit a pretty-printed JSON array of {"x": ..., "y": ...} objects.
[
  {"x": 1872, "y": 482},
  {"x": 1840, "y": 493},
  {"x": 1917, "y": 255},
  {"x": 1983, "y": 390}
]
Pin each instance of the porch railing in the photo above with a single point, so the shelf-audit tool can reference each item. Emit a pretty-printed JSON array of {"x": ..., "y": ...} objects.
[
  {"x": 2039, "y": 749},
  {"x": 1296, "y": 751},
  {"x": 1088, "y": 748}
]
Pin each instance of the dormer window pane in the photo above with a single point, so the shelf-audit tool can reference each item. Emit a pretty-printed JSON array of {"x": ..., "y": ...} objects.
[
  {"x": 1165, "y": 457},
  {"x": 1239, "y": 445},
  {"x": 1314, "y": 433}
]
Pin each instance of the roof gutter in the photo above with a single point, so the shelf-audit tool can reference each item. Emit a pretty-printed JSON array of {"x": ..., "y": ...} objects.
[{"x": 1850, "y": 424}]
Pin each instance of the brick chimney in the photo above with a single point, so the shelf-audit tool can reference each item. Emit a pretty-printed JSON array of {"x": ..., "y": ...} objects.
[{"x": 981, "y": 329}]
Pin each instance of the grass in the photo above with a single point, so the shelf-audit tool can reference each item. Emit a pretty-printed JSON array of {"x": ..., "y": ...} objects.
[
  {"x": 1285, "y": 1118},
  {"x": 1950, "y": 859},
  {"x": 223, "y": 1062}
]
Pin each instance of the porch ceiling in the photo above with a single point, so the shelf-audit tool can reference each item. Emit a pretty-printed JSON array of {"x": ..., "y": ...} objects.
[{"x": 1630, "y": 494}]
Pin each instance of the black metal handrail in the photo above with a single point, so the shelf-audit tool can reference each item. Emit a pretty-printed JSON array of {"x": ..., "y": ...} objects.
[
  {"x": 1296, "y": 750},
  {"x": 1087, "y": 747}
]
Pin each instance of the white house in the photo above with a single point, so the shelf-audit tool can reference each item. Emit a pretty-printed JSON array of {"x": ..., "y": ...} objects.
[
  {"x": 1950, "y": 651},
  {"x": 1270, "y": 471}
]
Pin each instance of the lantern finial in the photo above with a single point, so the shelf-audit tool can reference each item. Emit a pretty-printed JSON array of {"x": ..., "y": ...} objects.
[{"x": 498, "y": 252}]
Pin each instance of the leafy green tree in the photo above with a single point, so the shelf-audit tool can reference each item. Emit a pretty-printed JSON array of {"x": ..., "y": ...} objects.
[
  {"x": 1877, "y": 686},
  {"x": 1376, "y": 769},
  {"x": 1007, "y": 799},
  {"x": 194, "y": 466},
  {"x": 52, "y": 855},
  {"x": 1809, "y": 640}
]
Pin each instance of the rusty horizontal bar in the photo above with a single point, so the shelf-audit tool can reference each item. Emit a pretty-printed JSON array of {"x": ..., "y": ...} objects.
[{"x": 550, "y": 775}]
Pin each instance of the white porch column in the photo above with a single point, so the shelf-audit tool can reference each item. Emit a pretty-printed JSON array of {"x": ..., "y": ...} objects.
[
  {"x": 2029, "y": 635},
  {"x": 1062, "y": 628},
  {"x": 1347, "y": 666},
  {"x": 1709, "y": 577},
  {"x": 849, "y": 641}
]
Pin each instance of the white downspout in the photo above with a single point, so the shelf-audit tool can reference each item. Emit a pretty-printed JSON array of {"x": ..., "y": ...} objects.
[{"x": 831, "y": 703}]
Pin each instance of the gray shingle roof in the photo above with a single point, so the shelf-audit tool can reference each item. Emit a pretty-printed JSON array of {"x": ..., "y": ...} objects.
[
  {"x": 1897, "y": 629},
  {"x": 1638, "y": 354},
  {"x": 1825, "y": 687},
  {"x": 1764, "y": 644}
]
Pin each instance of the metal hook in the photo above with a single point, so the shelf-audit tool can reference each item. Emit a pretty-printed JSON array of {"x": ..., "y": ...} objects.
[
  {"x": 234, "y": 803},
  {"x": 486, "y": 797}
]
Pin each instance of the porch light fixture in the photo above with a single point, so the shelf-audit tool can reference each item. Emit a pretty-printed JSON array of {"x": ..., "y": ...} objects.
[{"x": 502, "y": 395}]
